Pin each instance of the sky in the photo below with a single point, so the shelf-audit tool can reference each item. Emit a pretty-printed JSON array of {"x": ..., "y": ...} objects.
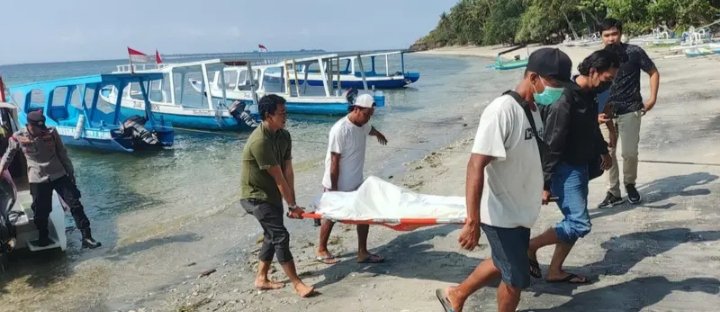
[{"x": 70, "y": 30}]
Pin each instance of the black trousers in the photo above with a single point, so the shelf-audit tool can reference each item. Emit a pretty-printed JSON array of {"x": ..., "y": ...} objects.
[
  {"x": 276, "y": 237},
  {"x": 42, "y": 204}
]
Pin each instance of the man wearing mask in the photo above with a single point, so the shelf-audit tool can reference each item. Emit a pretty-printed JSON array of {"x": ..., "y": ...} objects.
[
  {"x": 628, "y": 108},
  {"x": 49, "y": 168},
  {"x": 505, "y": 181}
]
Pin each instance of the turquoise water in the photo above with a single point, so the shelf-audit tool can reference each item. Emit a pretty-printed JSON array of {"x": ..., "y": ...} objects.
[{"x": 201, "y": 172}]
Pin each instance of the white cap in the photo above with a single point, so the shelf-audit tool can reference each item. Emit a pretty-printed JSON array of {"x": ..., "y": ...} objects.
[{"x": 364, "y": 100}]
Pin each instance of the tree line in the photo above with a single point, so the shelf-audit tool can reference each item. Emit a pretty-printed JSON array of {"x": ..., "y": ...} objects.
[{"x": 488, "y": 22}]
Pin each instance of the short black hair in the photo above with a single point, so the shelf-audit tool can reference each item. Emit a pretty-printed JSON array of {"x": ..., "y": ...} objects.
[
  {"x": 601, "y": 60},
  {"x": 268, "y": 104},
  {"x": 610, "y": 23}
]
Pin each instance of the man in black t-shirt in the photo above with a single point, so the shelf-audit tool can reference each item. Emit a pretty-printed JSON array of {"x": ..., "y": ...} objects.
[{"x": 628, "y": 108}]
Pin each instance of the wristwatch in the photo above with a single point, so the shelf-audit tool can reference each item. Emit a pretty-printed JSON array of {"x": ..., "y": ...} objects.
[{"x": 292, "y": 207}]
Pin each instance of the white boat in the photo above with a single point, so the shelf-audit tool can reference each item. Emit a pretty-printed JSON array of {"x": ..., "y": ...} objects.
[
  {"x": 286, "y": 79},
  {"x": 172, "y": 100},
  {"x": 363, "y": 70}
]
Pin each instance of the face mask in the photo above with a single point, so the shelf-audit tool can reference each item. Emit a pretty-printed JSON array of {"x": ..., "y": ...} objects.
[{"x": 548, "y": 96}]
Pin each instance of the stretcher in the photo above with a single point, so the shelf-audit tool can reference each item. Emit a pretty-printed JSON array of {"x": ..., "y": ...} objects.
[{"x": 382, "y": 203}]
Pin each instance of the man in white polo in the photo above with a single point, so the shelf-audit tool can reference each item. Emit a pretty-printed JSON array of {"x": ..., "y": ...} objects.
[{"x": 344, "y": 169}]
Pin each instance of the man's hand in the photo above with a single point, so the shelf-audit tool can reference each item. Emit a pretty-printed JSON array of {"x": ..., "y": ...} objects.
[
  {"x": 296, "y": 213},
  {"x": 606, "y": 162},
  {"x": 603, "y": 118},
  {"x": 469, "y": 236},
  {"x": 381, "y": 138},
  {"x": 613, "y": 139},
  {"x": 545, "y": 197},
  {"x": 649, "y": 104}
]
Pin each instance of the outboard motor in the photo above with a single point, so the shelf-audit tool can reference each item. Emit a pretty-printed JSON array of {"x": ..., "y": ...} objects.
[
  {"x": 242, "y": 116},
  {"x": 135, "y": 127},
  {"x": 351, "y": 94}
]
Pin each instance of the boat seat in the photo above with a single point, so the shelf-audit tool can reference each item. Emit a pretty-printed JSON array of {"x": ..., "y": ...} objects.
[{"x": 58, "y": 113}]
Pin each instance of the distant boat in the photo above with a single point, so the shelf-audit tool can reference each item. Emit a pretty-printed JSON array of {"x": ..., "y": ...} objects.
[
  {"x": 516, "y": 62},
  {"x": 82, "y": 117},
  {"x": 354, "y": 74}
]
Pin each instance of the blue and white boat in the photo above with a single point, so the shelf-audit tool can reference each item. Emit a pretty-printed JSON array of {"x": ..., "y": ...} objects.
[
  {"x": 173, "y": 99},
  {"x": 238, "y": 83},
  {"x": 353, "y": 73},
  {"x": 82, "y": 117}
]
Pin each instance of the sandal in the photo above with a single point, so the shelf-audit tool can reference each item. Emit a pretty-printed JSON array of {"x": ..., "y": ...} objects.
[
  {"x": 329, "y": 259},
  {"x": 571, "y": 279},
  {"x": 372, "y": 259},
  {"x": 535, "y": 269}
]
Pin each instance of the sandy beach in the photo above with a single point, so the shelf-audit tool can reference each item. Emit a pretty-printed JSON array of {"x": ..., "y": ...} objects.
[{"x": 660, "y": 255}]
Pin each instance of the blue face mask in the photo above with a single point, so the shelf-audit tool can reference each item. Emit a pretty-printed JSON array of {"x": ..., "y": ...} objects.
[{"x": 548, "y": 96}]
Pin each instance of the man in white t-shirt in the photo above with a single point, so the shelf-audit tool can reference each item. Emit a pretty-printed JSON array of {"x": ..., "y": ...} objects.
[
  {"x": 505, "y": 182},
  {"x": 344, "y": 164}
]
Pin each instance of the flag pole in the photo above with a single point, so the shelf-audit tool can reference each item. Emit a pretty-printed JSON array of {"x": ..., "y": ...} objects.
[{"x": 132, "y": 68}]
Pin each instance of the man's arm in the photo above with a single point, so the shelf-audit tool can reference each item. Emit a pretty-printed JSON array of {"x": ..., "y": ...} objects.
[
  {"x": 334, "y": 170},
  {"x": 556, "y": 130},
  {"x": 654, "y": 86},
  {"x": 9, "y": 155},
  {"x": 381, "y": 138},
  {"x": 289, "y": 174},
  {"x": 282, "y": 183},
  {"x": 475, "y": 179},
  {"x": 62, "y": 155}
]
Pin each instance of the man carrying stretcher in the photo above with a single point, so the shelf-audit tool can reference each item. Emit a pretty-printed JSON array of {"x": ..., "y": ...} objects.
[{"x": 344, "y": 164}]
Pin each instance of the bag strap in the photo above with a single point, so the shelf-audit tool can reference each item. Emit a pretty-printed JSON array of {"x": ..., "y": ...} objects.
[{"x": 528, "y": 114}]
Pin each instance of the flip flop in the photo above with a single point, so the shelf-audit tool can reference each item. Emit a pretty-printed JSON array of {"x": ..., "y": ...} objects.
[
  {"x": 372, "y": 259},
  {"x": 329, "y": 259},
  {"x": 535, "y": 269},
  {"x": 569, "y": 279},
  {"x": 440, "y": 294}
]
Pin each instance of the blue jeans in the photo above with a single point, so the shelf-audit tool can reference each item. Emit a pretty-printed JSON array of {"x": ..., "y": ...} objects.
[{"x": 570, "y": 185}]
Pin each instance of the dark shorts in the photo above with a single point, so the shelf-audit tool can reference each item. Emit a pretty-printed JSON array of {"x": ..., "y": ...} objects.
[
  {"x": 509, "y": 247},
  {"x": 276, "y": 238}
]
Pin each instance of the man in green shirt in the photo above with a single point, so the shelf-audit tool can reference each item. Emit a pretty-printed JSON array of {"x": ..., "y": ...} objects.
[{"x": 267, "y": 179}]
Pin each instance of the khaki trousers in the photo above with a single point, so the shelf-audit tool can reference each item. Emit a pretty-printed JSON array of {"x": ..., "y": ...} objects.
[{"x": 628, "y": 127}]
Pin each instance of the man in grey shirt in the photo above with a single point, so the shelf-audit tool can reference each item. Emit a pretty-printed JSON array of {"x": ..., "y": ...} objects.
[{"x": 48, "y": 169}]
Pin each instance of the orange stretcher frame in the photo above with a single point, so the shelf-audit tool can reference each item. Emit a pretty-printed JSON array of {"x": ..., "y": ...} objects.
[{"x": 401, "y": 224}]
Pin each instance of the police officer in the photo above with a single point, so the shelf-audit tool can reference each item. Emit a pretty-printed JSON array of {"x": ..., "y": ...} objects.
[{"x": 49, "y": 168}]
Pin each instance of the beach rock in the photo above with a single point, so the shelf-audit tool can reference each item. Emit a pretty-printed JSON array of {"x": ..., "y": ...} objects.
[{"x": 236, "y": 290}]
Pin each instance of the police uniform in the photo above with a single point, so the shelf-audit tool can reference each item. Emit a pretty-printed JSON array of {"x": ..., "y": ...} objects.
[{"x": 48, "y": 169}]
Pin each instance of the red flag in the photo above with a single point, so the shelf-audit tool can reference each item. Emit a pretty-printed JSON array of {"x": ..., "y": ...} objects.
[
  {"x": 158, "y": 59},
  {"x": 262, "y": 47},
  {"x": 137, "y": 56}
]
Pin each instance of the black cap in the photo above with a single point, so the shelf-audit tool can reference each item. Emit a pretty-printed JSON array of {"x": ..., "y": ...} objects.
[
  {"x": 550, "y": 62},
  {"x": 36, "y": 118}
]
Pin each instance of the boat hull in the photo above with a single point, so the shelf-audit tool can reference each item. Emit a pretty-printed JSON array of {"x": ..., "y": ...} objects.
[
  {"x": 511, "y": 65},
  {"x": 383, "y": 82},
  {"x": 109, "y": 141},
  {"x": 201, "y": 122}
]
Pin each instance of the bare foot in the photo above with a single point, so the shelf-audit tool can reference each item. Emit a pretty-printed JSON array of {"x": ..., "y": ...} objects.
[
  {"x": 304, "y": 290},
  {"x": 454, "y": 298},
  {"x": 268, "y": 285}
]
